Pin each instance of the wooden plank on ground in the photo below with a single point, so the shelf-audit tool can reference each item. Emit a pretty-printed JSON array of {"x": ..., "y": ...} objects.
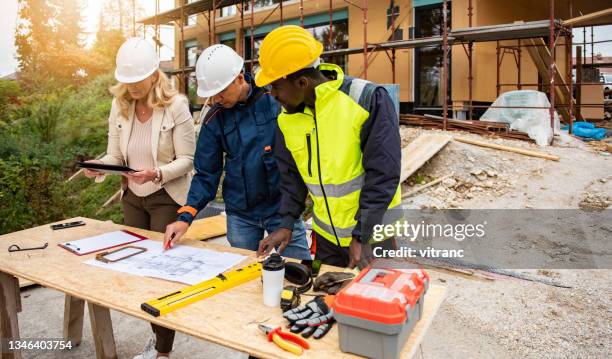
[
  {"x": 113, "y": 198},
  {"x": 427, "y": 185},
  {"x": 508, "y": 148},
  {"x": 207, "y": 228},
  {"x": 420, "y": 151}
]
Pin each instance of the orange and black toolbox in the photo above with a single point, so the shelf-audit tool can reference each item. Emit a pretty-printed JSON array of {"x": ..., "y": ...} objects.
[{"x": 377, "y": 311}]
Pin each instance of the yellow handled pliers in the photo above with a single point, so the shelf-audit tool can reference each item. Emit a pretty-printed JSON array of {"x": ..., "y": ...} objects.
[{"x": 287, "y": 341}]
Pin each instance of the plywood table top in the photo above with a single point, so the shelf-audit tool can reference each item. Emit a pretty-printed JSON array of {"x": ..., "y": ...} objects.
[
  {"x": 229, "y": 318},
  {"x": 206, "y": 228}
]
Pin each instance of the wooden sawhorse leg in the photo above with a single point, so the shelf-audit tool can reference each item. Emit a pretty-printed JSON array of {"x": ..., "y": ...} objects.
[
  {"x": 10, "y": 305},
  {"x": 102, "y": 331},
  {"x": 74, "y": 310}
]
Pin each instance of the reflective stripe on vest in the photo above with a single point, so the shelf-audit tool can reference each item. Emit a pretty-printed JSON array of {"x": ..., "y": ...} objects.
[
  {"x": 392, "y": 215},
  {"x": 332, "y": 141},
  {"x": 337, "y": 190},
  {"x": 340, "y": 231}
]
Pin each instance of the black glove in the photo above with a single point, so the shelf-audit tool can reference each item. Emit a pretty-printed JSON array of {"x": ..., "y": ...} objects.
[
  {"x": 332, "y": 282},
  {"x": 314, "y": 318}
]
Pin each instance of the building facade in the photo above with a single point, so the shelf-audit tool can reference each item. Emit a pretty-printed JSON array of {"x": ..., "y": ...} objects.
[{"x": 496, "y": 65}]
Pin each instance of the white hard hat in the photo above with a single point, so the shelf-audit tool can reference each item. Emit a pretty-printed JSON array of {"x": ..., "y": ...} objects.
[
  {"x": 136, "y": 60},
  {"x": 216, "y": 68}
]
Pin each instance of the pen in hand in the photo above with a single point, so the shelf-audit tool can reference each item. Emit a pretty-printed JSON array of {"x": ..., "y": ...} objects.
[{"x": 168, "y": 245}]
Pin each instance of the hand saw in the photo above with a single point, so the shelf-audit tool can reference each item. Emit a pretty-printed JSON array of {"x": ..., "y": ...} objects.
[{"x": 191, "y": 294}]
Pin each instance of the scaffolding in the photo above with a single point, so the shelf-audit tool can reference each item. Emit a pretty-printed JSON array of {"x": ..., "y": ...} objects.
[{"x": 528, "y": 35}]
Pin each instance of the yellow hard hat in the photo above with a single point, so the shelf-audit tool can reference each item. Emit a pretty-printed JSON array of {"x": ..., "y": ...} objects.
[{"x": 284, "y": 51}]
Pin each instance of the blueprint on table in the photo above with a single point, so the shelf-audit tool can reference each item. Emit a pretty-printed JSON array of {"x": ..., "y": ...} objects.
[{"x": 183, "y": 264}]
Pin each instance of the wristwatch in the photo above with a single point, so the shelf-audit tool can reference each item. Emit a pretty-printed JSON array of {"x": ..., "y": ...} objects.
[{"x": 158, "y": 176}]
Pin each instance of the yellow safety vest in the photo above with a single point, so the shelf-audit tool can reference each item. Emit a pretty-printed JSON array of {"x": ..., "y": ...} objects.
[{"x": 327, "y": 152}]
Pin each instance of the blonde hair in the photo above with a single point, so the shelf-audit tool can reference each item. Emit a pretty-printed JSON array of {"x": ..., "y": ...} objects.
[{"x": 161, "y": 94}]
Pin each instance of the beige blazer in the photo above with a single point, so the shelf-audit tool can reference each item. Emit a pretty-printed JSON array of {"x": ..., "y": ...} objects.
[{"x": 172, "y": 144}]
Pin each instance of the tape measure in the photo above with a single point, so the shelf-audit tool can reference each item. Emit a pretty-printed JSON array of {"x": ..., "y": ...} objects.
[
  {"x": 191, "y": 294},
  {"x": 290, "y": 298}
]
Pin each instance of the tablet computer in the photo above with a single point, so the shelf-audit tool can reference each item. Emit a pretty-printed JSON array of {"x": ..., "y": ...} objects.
[{"x": 108, "y": 169}]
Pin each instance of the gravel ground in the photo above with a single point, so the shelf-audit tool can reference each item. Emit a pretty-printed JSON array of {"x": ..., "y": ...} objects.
[{"x": 509, "y": 317}]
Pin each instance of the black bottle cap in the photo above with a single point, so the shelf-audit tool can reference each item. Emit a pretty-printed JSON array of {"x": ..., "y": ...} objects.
[{"x": 274, "y": 262}]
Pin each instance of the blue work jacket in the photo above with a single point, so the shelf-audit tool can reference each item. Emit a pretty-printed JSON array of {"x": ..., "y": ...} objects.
[{"x": 238, "y": 141}]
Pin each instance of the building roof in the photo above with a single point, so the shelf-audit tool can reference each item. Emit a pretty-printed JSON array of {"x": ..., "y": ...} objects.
[
  {"x": 603, "y": 63},
  {"x": 11, "y": 76},
  {"x": 585, "y": 12},
  {"x": 193, "y": 8}
]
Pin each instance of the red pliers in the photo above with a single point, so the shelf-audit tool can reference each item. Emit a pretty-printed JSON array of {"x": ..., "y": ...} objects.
[{"x": 287, "y": 341}]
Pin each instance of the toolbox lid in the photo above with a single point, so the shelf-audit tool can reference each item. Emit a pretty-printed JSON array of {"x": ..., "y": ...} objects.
[{"x": 382, "y": 295}]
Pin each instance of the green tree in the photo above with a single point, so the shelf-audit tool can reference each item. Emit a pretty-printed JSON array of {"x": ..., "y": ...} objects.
[
  {"x": 33, "y": 36},
  {"x": 120, "y": 15},
  {"x": 9, "y": 97},
  {"x": 108, "y": 42},
  {"x": 68, "y": 20},
  {"x": 115, "y": 25},
  {"x": 50, "y": 129},
  {"x": 50, "y": 47}
]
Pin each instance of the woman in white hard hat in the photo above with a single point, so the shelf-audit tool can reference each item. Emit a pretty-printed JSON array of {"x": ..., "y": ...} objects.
[{"x": 150, "y": 130}]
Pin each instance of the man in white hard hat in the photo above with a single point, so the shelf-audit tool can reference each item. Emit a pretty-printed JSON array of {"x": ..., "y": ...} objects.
[{"x": 237, "y": 137}]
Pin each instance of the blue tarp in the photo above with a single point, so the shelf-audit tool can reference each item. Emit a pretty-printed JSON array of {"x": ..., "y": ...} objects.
[{"x": 587, "y": 130}]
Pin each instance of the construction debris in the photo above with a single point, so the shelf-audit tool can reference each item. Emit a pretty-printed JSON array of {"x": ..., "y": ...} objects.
[
  {"x": 595, "y": 201},
  {"x": 482, "y": 178},
  {"x": 420, "y": 151},
  {"x": 484, "y": 128},
  {"x": 432, "y": 183},
  {"x": 597, "y": 195},
  {"x": 601, "y": 146},
  {"x": 526, "y": 111},
  {"x": 507, "y": 148},
  {"x": 454, "y": 264}
]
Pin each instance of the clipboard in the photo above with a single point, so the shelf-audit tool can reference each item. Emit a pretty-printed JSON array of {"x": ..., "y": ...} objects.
[
  {"x": 108, "y": 169},
  {"x": 101, "y": 242}
]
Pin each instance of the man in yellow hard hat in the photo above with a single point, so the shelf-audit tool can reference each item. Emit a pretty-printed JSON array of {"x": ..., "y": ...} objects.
[{"x": 338, "y": 140}]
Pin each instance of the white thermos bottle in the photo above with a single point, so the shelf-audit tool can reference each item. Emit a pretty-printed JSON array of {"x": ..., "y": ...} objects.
[{"x": 273, "y": 277}]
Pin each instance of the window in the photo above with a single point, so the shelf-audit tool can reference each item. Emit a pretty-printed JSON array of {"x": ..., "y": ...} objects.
[
  {"x": 260, "y": 4},
  {"x": 429, "y": 59},
  {"x": 192, "y": 88},
  {"x": 191, "y": 84},
  {"x": 192, "y": 20},
  {"x": 228, "y": 11},
  {"x": 339, "y": 40},
  {"x": 392, "y": 21},
  {"x": 191, "y": 54},
  {"x": 256, "y": 44},
  {"x": 231, "y": 43}
]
